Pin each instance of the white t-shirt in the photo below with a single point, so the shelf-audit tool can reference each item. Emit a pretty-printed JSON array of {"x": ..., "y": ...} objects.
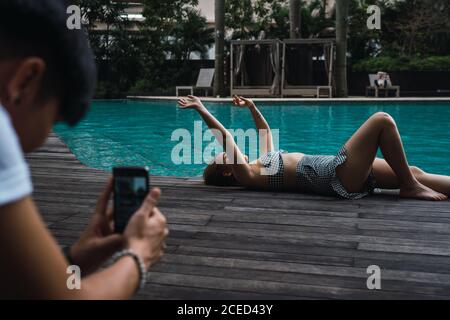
[{"x": 15, "y": 181}]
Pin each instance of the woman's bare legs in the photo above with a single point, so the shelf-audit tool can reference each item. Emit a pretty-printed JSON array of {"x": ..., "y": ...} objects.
[
  {"x": 386, "y": 178},
  {"x": 381, "y": 131}
]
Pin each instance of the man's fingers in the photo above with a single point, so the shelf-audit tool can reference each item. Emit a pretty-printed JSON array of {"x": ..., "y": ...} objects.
[
  {"x": 110, "y": 214},
  {"x": 106, "y": 224},
  {"x": 151, "y": 201},
  {"x": 157, "y": 217},
  {"x": 102, "y": 202},
  {"x": 163, "y": 245},
  {"x": 163, "y": 248}
]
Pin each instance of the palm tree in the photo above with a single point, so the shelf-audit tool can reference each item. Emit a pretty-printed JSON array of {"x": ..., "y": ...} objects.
[
  {"x": 341, "y": 47},
  {"x": 220, "y": 47},
  {"x": 294, "y": 17}
]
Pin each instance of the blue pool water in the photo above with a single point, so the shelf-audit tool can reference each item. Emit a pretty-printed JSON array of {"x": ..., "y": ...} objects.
[{"x": 119, "y": 133}]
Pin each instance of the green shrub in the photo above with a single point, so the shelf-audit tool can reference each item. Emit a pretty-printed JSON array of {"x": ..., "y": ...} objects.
[
  {"x": 142, "y": 86},
  {"x": 433, "y": 63},
  {"x": 107, "y": 90}
]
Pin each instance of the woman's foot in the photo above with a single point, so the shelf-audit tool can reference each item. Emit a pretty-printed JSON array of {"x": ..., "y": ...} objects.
[{"x": 419, "y": 191}]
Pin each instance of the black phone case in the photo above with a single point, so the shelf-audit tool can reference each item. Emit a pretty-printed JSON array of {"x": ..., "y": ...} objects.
[{"x": 122, "y": 215}]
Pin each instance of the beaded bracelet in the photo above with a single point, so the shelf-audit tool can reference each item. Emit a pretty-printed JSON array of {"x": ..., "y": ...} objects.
[{"x": 139, "y": 262}]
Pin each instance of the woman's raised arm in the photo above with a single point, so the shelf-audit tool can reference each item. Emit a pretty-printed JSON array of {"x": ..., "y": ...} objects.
[
  {"x": 265, "y": 134},
  {"x": 241, "y": 168}
]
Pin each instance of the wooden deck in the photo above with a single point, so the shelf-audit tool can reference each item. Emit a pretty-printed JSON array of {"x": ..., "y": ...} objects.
[{"x": 237, "y": 244}]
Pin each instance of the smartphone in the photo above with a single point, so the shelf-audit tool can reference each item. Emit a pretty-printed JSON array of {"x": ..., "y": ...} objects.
[{"x": 131, "y": 186}]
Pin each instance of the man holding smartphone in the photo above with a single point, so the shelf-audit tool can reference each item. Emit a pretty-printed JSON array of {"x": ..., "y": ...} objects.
[{"x": 47, "y": 74}]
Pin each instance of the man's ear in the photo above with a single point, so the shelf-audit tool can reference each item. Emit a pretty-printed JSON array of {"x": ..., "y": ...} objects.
[{"x": 26, "y": 82}]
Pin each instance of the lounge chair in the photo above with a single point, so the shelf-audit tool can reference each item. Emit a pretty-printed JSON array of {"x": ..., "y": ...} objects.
[
  {"x": 204, "y": 81},
  {"x": 389, "y": 87}
]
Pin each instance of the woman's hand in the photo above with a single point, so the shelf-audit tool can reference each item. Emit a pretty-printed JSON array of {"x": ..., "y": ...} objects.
[
  {"x": 146, "y": 231},
  {"x": 242, "y": 102},
  {"x": 98, "y": 242},
  {"x": 191, "y": 102}
]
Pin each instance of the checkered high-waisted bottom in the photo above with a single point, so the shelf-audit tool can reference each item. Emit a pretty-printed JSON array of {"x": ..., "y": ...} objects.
[{"x": 317, "y": 174}]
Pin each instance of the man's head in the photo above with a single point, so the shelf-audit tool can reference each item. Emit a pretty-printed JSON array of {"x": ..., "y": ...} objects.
[{"x": 47, "y": 72}]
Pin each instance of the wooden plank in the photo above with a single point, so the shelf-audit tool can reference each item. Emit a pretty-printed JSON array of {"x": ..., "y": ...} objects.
[
  {"x": 277, "y": 288},
  {"x": 256, "y": 246},
  {"x": 176, "y": 292},
  {"x": 323, "y": 280}
]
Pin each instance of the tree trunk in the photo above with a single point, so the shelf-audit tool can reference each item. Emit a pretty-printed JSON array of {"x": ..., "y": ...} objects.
[
  {"x": 325, "y": 5},
  {"x": 341, "y": 47},
  {"x": 294, "y": 17},
  {"x": 219, "y": 89}
]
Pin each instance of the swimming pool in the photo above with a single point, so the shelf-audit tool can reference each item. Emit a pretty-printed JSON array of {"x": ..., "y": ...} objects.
[{"x": 119, "y": 133}]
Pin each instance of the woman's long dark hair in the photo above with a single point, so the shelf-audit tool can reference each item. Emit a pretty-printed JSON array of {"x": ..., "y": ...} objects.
[{"x": 213, "y": 175}]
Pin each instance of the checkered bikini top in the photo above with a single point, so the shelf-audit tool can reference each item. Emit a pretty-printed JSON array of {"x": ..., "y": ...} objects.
[{"x": 273, "y": 168}]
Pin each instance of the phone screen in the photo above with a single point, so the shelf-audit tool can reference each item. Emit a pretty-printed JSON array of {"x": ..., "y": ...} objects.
[{"x": 129, "y": 193}]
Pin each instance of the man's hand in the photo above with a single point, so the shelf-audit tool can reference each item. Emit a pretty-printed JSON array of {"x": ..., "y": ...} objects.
[
  {"x": 146, "y": 231},
  {"x": 98, "y": 242},
  {"x": 242, "y": 102},
  {"x": 191, "y": 102}
]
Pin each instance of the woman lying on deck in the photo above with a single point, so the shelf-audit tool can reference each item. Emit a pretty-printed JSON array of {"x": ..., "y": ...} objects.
[{"x": 352, "y": 174}]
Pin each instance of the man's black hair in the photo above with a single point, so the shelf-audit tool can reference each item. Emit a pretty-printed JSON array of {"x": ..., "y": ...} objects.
[{"x": 39, "y": 28}]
